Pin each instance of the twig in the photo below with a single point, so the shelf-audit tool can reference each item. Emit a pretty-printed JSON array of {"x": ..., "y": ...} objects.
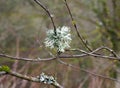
[
  {"x": 93, "y": 54},
  {"x": 25, "y": 77},
  {"x": 83, "y": 82},
  {"x": 49, "y": 14},
  {"x": 33, "y": 79},
  {"x": 87, "y": 71},
  {"x": 2, "y": 73},
  {"x": 26, "y": 59},
  {"x": 88, "y": 54},
  {"x": 74, "y": 24}
]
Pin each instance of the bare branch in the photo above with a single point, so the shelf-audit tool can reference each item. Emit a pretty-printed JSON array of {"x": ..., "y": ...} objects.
[
  {"x": 74, "y": 24},
  {"x": 2, "y": 73},
  {"x": 26, "y": 59},
  {"x": 33, "y": 79},
  {"x": 88, "y": 54},
  {"x": 87, "y": 71},
  {"x": 49, "y": 14},
  {"x": 93, "y": 53},
  {"x": 85, "y": 53}
]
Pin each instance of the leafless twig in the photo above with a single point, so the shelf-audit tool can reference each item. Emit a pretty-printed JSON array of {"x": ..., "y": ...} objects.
[
  {"x": 74, "y": 24},
  {"x": 87, "y": 71},
  {"x": 84, "y": 54},
  {"x": 48, "y": 12},
  {"x": 26, "y": 59},
  {"x": 2, "y": 73},
  {"x": 29, "y": 78}
]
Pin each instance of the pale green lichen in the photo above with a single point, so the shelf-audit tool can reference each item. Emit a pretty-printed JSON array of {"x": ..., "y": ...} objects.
[
  {"x": 61, "y": 40},
  {"x": 47, "y": 79}
]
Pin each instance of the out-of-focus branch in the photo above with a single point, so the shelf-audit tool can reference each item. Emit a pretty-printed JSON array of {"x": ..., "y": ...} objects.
[
  {"x": 87, "y": 71},
  {"x": 99, "y": 49},
  {"x": 4, "y": 70},
  {"x": 93, "y": 53},
  {"x": 84, "y": 54},
  {"x": 2, "y": 73},
  {"x": 74, "y": 24},
  {"x": 89, "y": 54},
  {"x": 26, "y": 59},
  {"x": 49, "y": 14},
  {"x": 25, "y": 77}
]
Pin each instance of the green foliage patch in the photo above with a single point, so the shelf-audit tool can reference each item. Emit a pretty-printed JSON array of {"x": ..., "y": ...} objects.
[{"x": 4, "y": 68}]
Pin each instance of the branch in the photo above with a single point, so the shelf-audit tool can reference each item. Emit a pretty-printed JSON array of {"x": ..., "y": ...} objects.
[
  {"x": 42, "y": 78},
  {"x": 2, "y": 73},
  {"x": 48, "y": 12},
  {"x": 87, "y": 71},
  {"x": 88, "y": 54},
  {"x": 85, "y": 54},
  {"x": 93, "y": 53},
  {"x": 26, "y": 59},
  {"x": 74, "y": 24}
]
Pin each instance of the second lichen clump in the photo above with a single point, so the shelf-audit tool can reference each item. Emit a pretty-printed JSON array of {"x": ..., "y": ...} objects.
[
  {"x": 47, "y": 79},
  {"x": 61, "y": 40}
]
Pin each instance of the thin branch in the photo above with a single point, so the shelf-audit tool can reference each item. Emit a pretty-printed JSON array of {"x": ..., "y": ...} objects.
[
  {"x": 87, "y": 71},
  {"x": 33, "y": 79},
  {"x": 25, "y": 77},
  {"x": 112, "y": 51},
  {"x": 49, "y": 14},
  {"x": 83, "y": 82},
  {"x": 85, "y": 53},
  {"x": 88, "y": 54},
  {"x": 2, "y": 73},
  {"x": 74, "y": 24},
  {"x": 26, "y": 59},
  {"x": 93, "y": 53}
]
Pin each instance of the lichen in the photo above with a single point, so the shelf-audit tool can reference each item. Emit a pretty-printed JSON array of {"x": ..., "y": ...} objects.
[
  {"x": 61, "y": 40},
  {"x": 47, "y": 79}
]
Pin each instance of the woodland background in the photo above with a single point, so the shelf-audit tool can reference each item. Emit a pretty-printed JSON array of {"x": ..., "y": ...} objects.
[{"x": 23, "y": 26}]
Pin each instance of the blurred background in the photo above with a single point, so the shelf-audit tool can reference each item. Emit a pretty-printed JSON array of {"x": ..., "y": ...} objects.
[{"x": 23, "y": 26}]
